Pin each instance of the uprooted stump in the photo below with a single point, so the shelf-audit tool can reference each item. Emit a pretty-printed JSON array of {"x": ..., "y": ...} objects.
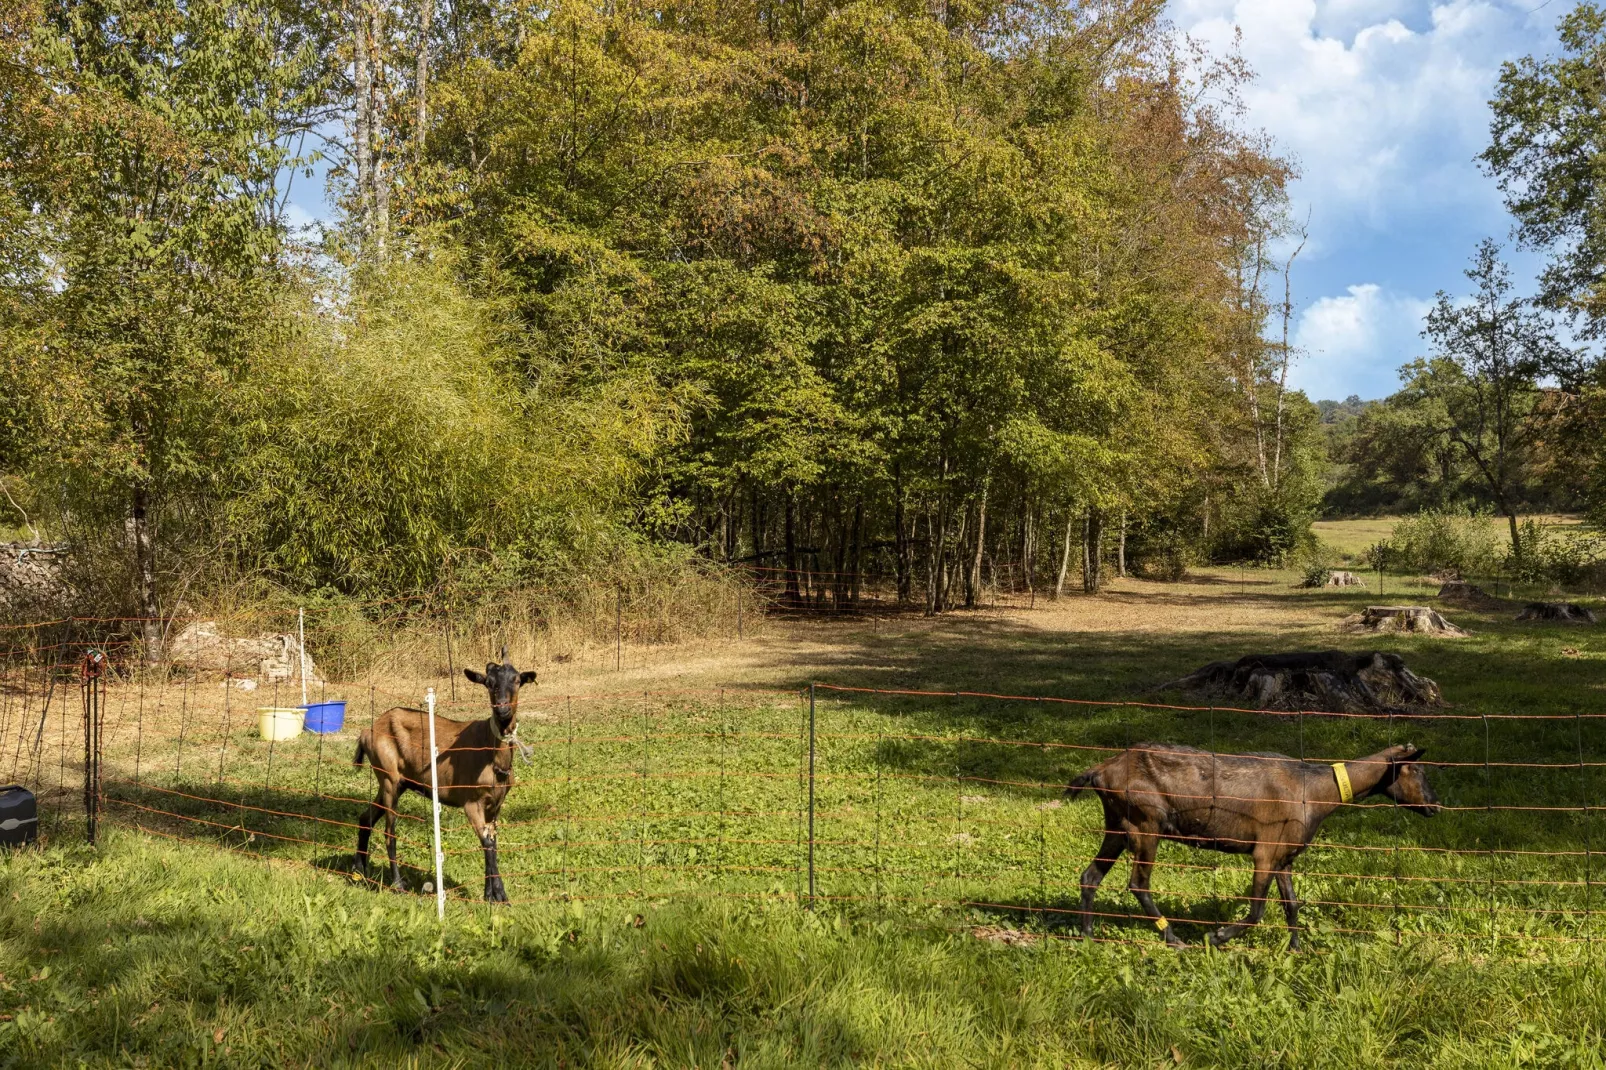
[
  {"x": 1330, "y": 681},
  {"x": 1561, "y": 612},
  {"x": 1418, "y": 620}
]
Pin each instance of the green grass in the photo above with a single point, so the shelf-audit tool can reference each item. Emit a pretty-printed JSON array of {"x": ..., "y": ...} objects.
[
  {"x": 1461, "y": 940},
  {"x": 1351, "y": 538}
]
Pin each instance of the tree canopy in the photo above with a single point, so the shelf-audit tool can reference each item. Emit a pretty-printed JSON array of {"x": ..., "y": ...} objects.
[{"x": 838, "y": 289}]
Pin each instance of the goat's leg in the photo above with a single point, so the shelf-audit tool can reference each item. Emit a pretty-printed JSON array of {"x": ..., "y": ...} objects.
[
  {"x": 391, "y": 798},
  {"x": 485, "y": 830},
  {"x": 1144, "y": 848},
  {"x": 1257, "y": 906},
  {"x": 1285, "y": 889},
  {"x": 1114, "y": 843},
  {"x": 365, "y": 829}
]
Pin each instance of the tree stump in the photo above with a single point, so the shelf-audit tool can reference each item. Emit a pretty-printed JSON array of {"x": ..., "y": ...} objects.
[
  {"x": 1469, "y": 595},
  {"x": 1416, "y": 620},
  {"x": 1329, "y": 681},
  {"x": 1559, "y": 612}
]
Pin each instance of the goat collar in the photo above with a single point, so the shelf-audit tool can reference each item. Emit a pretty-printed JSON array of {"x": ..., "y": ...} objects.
[
  {"x": 496, "y": 727},
  {"x": 1340, "y": 774}
]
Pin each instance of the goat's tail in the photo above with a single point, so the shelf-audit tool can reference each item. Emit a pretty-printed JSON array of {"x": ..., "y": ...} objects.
[
  {"x": 1083, "y": 782},
  {"x": 362, "y": 751}
]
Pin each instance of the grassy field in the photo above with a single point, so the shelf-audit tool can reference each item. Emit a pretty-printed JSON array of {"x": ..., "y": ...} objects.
[
  {"x": 1351, "y": 538},
  {"x": 656, "y": 850}
]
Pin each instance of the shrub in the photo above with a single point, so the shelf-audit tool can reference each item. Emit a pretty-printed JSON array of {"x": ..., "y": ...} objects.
[
  {"x": 1566, "y": 557},
  {"x": 1438, "y": 540}
]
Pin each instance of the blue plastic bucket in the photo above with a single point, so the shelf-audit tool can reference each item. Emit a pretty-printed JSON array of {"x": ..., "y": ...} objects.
[{"x": 326, "y": 716}]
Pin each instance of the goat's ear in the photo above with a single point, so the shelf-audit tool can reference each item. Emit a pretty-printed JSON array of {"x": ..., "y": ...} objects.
[
  {"x": 526, "y": 677},
  {"x": 477, "y": 677}
]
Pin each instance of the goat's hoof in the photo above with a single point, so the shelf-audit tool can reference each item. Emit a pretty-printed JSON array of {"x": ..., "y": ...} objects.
[
  {"x": 398, "y": 886},
  {"x": 1218, "y": 938}
]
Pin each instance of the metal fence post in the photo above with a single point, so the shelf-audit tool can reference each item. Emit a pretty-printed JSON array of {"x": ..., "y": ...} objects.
[
  {"x": 811, "y": 794},
  {"x": 93, "y": 692},
  {"x": 1583, "y": 785}
]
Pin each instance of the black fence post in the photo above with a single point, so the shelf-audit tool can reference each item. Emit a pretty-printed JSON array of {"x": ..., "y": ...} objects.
[
  {"x": 811, "y": 794},
  {"x": 93, "y": 688}
]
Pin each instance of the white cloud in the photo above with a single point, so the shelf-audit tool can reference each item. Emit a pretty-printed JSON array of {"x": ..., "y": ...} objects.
[
  {"x": 1384, "y": 106},
  {"x": 1354, "y": 343},
  {"x": 1384, "y": 119}
]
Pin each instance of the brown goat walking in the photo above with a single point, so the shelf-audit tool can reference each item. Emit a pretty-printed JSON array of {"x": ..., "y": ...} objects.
[
  {"x": 1264, "y": 805},
  {"x": 474, "y": 767}
]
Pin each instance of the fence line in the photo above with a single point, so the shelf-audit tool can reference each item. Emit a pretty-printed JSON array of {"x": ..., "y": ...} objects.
[{"x": 714, "y": 792}]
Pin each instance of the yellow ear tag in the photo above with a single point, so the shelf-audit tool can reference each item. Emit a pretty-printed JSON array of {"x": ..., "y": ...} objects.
[
  {"x": 1161, "y": 924},
  {"x": 1340, "y": 774}
]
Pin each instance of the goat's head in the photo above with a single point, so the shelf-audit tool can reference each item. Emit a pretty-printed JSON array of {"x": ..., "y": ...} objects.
[
  {"x": 1407, "y": 784},
  {"x": 503, "y": 682}
]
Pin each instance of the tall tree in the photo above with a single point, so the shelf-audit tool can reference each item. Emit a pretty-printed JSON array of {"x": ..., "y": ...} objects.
[
  {"x": 1547, "y": 150},
  {"x": 1481, "y": 388}
]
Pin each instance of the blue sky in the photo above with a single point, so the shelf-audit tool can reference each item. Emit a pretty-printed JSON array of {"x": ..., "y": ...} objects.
[{"x": 1384, "y": 104}]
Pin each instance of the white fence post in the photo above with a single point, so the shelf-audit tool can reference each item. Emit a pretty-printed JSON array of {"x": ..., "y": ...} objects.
[{"x": 435, "y": 806}]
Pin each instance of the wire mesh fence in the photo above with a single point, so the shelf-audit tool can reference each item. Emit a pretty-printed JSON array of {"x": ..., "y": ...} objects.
[{"x": 939, "y": 808}]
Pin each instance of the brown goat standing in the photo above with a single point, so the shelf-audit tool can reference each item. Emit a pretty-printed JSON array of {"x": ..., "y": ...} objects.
[
  {"x": 1264, "y": 805},
  {"x": 474, "y": 767}
]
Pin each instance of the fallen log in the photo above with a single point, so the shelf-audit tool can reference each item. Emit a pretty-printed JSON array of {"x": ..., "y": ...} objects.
[{"x": 1330, "y": 681}]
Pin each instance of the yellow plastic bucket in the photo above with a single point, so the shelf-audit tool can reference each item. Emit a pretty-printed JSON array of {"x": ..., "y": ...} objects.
[{"x": 279, "y": 723}]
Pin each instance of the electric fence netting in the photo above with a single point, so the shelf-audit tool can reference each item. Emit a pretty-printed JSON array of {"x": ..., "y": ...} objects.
[{"x": 938, "y": 808}]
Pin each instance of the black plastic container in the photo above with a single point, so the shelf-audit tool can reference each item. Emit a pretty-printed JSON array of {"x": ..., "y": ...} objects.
[{"x": 19, "y": 816}]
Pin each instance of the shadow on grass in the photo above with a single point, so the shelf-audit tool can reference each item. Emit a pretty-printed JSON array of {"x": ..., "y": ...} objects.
[{"x": 300, "y": 826}]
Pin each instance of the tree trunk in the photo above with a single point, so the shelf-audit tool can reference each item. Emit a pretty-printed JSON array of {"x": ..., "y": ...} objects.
[
  {"x": 901, "y": 538},
  {"x": 1093, "y": 537},
  {"x": 1282, "y": 376},
  {"x": 951, "y": 563},
  {"x": 973, "y": 588},
  {"x": 362, "y": 78},
  {"x": 426, "y": 18},
  {"x": 145, "y": 568},
  {"x": 1026, "y": 549},
  {"x": 376, "y": 109},
  {"x": 758, "y": 530},
  {"x": 793, "y": 596},
  {"x": 1065, "y": 557},
  {"x": 858, "y": 534},
  {"x": 1120, "y": 553},
  {"x": 1516, "y": 543},
  {"x": 933, "y": 562}
]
